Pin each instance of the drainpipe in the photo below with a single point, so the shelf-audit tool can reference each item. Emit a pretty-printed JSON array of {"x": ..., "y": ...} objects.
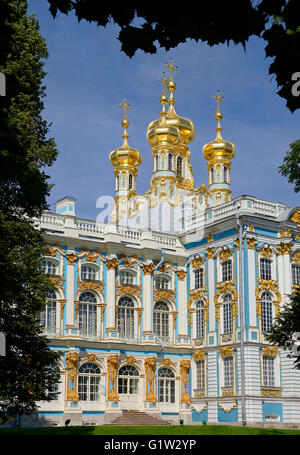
[{"x": 242, "y": 316}]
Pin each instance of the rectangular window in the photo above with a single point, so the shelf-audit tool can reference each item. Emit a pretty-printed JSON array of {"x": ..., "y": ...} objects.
[
  {"x": 199, "y": 278},
  {"x": 295, "y": 274},
  {"x": 228, "y": 372},
  {"x": 227, "y": 271},
  {"x": 265, "y": 269},
  {"x": 268, "y": 372},
  {"x": 227, "y": 317},
  {"x": 200, "y": 371}
]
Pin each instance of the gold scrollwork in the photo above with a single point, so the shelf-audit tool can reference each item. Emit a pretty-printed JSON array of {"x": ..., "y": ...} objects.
[
  {"x": 184, "y": 373},
  {"x": 150, "y": 369},
  {"x": 112, "y": 368}
]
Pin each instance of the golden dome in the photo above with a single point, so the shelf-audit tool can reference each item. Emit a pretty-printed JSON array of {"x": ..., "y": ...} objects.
[
  {"x": 219, "y": 148},
  {"x": 125, "y": 156},
  {"x": 170, "y": 127}
]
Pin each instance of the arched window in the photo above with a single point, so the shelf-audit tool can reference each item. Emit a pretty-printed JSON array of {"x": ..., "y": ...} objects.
[
  {"x": 211, "y": 175},
  {"x": 166, "y": 385},
  {"x": 127, "y": 277},
  {"x": 161, "y": 320},
  {"x": 53, "y": 391},
  {"x": 265, "y": 269},
  {"x": 227, "y": 270},
  {"x": 266, "y": 312},
  {"x": 296, "y": 274},
  {"x": 227, "y": 314},
  {"x": 125, "y": 318},
  {"x": 88, "y": 272},
  {"x": 199, "y": 278},
  {"x": 50, "y": 267},
  {"x": 179, "y": 166},
  {"x": 225, "y": 174},
  {"x": 87, "y": 314},
  {"x": 170, "y": 162},
  {"x": 156, "y": 162},
  {"x": 162, "y": 282},
  {"x": 89, "y": 382},
  {"x": 128, "y": 380},
  {"x": 118, "y": 182},
  {"x": 130, "y": 182},
  {"x": 48, "y": 315},
  {"x": 199, "y": 320}
]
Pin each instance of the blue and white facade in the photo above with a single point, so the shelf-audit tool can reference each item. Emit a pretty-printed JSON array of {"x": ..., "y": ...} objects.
[{"x": 172, "y": 322}]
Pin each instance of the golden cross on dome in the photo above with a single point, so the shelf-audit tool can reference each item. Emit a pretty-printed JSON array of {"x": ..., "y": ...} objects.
[
  {"x": 219, "y": 99},
  {"x": 163, "y": 79},
  {"x": 125, "y": 106},
  {"x": 171, "y": 67}
]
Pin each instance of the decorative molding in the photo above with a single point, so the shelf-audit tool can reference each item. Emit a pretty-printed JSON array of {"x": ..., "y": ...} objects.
[
  {"x": 72, "y": 359},
  {"x": 197, "y": 262},
  {"x": 270, "y": 392},
  {"x": 251, "y": 243},
  {"x": 224, "y": 254},
  {"x": 112, "y": 263},
  {"x": 150, "y": 369},
  {"x": 270, "y": 351},
  {"x": 112, "y": 369},
  {"x": 185, "y": 366},
  {"x": 71, "y": 258},
  {"x": 226, "y": 351},
  {"x": 284, "y": 248},
  {"x": 148, "y": 268},
  {"x": 181, "y": 274},
  {"x": 296, "y": 257},
  {"x": 198, "y": 354},
  {"x": 210, "y": 252}
]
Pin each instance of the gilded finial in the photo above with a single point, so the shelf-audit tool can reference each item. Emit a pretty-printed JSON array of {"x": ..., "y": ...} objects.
[
  {"x": 171, "y": 85},
  {"x": 163, "y": 98},
  {"x": 125, "y": 122},
  {"x": 218, "y": 114}
]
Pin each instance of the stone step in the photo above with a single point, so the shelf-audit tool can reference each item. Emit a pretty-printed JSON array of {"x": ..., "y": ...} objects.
[{"x": 138, "y": 418}]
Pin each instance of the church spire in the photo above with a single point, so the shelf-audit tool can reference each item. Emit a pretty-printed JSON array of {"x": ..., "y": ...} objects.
[{"x": 218, "y": 154}]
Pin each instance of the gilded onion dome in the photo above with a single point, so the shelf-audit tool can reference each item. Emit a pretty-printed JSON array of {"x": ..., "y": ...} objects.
[
  {"x": 125, "y": 156},
  {"x": 170, "y": 127},
  {"x": 218, "y": 148}
]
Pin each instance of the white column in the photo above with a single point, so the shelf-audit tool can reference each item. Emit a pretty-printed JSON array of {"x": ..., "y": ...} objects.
[
  {"x": 111, "y": 263},
  {"x": 211, "y": 294},
  {"x": 281, "y": 282},
  {"x": 252, "y": 281},
  {"x": 286, "y": 276},
  {"x": 70, "y": 307},
  {"x": 182, "y": 304},
  {"x": 148, "y": 297}
]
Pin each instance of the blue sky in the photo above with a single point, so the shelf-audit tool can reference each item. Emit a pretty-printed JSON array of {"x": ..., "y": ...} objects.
[{"x": 88, "y": 77}]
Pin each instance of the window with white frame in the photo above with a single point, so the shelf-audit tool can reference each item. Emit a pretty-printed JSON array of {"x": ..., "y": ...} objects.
[
  {"x": 50, "y": 267},
  {"x": 227, "y": 314},
  {"x": 268, "y": 376},
  {"x": 199, "y": 319},
  {"x": 161, "y": 320},
  {"x": 127, "y": 277},
  {"x": 128, "y": 380},
  {"x": 228, "y": 365},
  {"x": 199, "y": 278},
  {"x": 266, "y": 312},
  {"x": 162, "y": 282},
  {"x": 89, "y": 382},
  {"x": 265, "y": 269},
  {"x": 88, "y": 272},
  {"x": 87, "y": 314},
  {"x": 200, "y": 375},
  {"x": 125, "y": 318},
  {"x": 166, "y": 385},
  {"x": 54, "y": 390},
  {"x": 227, "y": 270},
  {"x": 48, "y": 315},
  {"x": 296, "y": 274}
]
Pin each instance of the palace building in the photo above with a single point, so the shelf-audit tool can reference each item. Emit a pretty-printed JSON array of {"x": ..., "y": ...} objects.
[{"x": 164, "y": 309}]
